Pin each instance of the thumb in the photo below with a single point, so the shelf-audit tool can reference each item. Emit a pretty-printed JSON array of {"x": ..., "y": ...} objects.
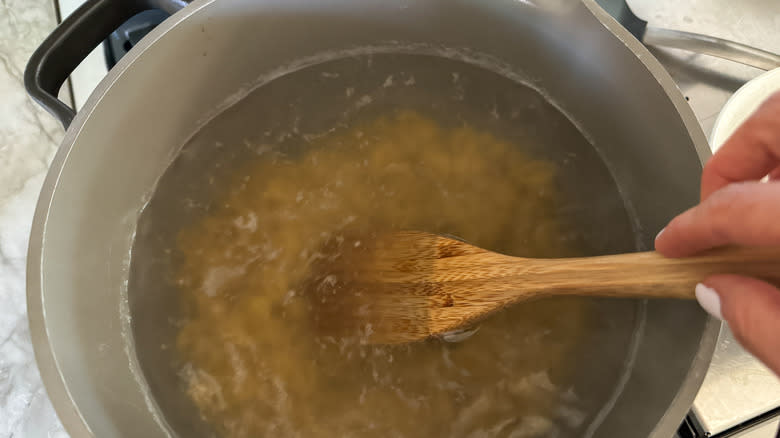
[{"x": 751, "y": 308}]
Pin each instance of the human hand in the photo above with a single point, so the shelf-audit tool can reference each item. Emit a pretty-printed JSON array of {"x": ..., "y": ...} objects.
[{"x": 736, "y": 208}]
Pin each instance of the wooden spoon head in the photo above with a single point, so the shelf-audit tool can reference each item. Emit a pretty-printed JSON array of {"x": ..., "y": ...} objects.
[{"x": 397, "y": 288}]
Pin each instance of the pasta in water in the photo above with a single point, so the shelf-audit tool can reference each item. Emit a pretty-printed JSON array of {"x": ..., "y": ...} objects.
[
  {"x": 253, "y": 364},
  {"x": 337, "y": 151}
]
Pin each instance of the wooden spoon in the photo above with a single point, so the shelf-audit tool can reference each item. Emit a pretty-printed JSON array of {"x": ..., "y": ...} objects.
[{"x": 408, "y": 286}]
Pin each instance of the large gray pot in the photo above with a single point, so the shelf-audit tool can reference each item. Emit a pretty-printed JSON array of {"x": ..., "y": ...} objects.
[{"x": 117, "y": 147}]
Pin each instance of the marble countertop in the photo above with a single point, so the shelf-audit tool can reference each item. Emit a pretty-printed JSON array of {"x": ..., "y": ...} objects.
[{"x": 28, "y": 139}]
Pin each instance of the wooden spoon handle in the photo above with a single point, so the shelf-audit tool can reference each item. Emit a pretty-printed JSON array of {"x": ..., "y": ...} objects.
[{"x": 649, "y": 274}]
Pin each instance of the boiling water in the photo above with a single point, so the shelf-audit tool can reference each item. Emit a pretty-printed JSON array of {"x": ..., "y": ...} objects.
[{"x": 222, "y": 326}]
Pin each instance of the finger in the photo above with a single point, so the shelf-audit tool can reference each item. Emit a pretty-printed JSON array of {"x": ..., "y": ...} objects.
[
  {"x": 741, "y": 214},
  {"x": 774, "y": 175},
  {"x": 752, "y": 309},
  {"x": 750, "y": 153}
]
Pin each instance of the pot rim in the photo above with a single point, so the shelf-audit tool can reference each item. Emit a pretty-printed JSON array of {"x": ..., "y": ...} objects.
[
  {"x": 669, "y": 423},
  {"x": 51, "y": 375}
]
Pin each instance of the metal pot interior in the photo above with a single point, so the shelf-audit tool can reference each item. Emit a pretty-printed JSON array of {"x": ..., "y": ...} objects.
[
  {"x": 281, "y": 127},
  {"x": 554, "y": 82}
]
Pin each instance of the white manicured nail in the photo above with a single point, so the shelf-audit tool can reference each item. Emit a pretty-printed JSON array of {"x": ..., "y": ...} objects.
[
  {"x": 709, "y": 300},
  {"x": 659, "y": 233}
]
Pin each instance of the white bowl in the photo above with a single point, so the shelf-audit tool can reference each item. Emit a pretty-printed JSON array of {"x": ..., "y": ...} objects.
[{"x": 742, "y": 104}]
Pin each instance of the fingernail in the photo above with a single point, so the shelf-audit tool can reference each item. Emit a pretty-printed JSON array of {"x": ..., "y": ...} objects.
[
  {"x": 659, "y": 233},
  {"x": 709, "y": 300}
]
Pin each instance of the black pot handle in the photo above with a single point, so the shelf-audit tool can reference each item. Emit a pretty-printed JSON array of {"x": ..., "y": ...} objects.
[{"x": 64, "y": 49}]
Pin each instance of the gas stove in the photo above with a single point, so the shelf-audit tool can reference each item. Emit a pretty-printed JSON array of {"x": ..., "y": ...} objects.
[{"x": 740, "y": 398}]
